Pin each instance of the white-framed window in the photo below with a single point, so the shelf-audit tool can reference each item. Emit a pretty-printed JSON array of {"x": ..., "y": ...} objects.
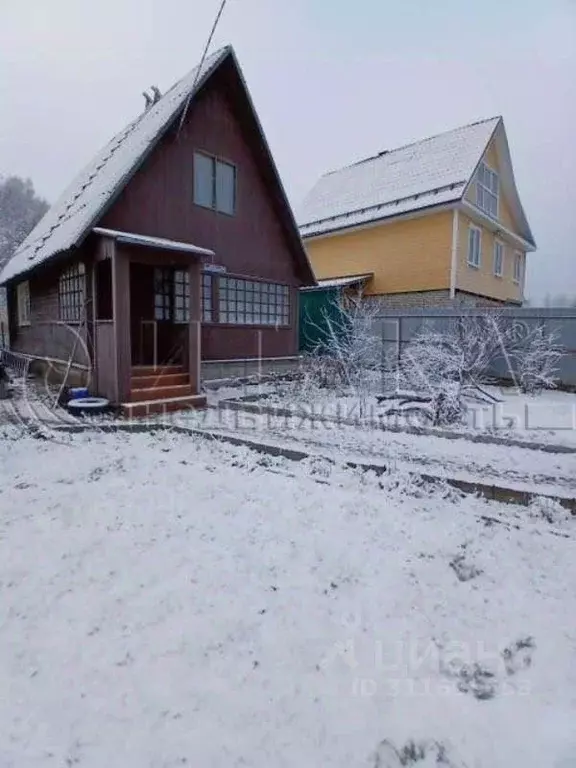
[
  {"x": 251, "y": 302},
  {"x": 214, "y": 183},
  {"x": 518, "y": 267},
  {"x": 498, "y": 258},
  {"x": 487, "y": 187},
  {"x": 23, "y": 302},
  {"x": 71, "y": 293},
  {"x": 182, "y": 297},
  {"x": 474, "y": 246}
]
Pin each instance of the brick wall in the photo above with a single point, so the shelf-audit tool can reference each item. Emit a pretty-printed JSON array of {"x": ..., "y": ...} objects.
[{"x": 423, "y": 299}]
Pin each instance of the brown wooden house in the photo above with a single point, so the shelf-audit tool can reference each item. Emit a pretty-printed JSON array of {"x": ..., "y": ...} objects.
[{"x": 175, "y": 245}]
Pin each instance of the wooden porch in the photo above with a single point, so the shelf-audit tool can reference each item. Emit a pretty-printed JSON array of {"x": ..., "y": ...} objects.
[{"x": 147, "y": 323}]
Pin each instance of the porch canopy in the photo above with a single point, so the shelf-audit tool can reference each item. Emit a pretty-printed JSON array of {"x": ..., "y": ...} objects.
[{"x": 115, "y": 349}]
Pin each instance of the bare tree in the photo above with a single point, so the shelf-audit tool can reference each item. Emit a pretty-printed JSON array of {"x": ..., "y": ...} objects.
[
  {"x": 20, "y": 211},
  {"x": 536, "y": 359},
  {"x": 349, "y": 353},
  {"x": 440, "y": 368}
]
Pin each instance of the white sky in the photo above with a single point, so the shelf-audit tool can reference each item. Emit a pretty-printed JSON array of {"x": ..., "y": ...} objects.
[{"x": 333, "y": 81}]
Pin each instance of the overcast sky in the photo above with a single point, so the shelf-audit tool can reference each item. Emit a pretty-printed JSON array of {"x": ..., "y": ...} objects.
[{"x": 332, "y": 80}]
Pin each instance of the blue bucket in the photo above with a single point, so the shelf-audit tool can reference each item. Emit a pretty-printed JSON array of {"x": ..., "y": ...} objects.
[{"x": 78, "y": 392}]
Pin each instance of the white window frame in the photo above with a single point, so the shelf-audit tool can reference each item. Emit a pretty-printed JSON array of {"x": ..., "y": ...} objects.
[
  {"x": 216, "y": 163},
  {"x": 476, "y": 264},
  {"x": 488, "y": 189},
  {"x": 499, "y": 245},
  {"x": 517, "y": 267},
  {"x": 23, "y": 303}
]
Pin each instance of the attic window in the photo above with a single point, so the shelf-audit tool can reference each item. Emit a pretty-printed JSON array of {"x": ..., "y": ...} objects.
[
  {"x": 214, "y": 183},
  {"x": 487, "y": 190}
]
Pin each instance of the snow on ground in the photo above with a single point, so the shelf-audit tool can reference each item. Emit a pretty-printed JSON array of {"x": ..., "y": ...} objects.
[
  {"x": 425, "y": 453},
  {"x": 171, "y": 602},
  {"x": 549, "y": 417}
]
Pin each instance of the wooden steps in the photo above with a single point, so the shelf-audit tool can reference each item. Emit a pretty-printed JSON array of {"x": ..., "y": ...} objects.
[
  {"x": 159, "y": 380},
  {"x": 160, "y": 390},
  {"x": 154, "y": 407}
]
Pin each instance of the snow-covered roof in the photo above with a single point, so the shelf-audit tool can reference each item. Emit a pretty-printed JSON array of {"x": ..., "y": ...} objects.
[
  {"x": 152, "y": 242},
  {"x": 74, "y": 214},
  {"x": 339, "y": 282},
  {"x": 427, "y": 173}
]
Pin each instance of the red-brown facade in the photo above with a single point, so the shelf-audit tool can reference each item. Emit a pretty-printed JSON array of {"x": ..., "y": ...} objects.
[{"x": 258, "y": 242}]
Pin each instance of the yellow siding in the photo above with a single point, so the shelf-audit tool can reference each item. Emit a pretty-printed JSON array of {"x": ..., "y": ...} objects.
[
  {"x": 483, "y": 281},
  {"x": 504, "y": 214},
  {"x": 405, "y": 256}
]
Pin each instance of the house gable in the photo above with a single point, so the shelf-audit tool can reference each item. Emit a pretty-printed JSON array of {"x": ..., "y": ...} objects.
[
  {"x": 88, "y": 199},
  {"x": 511, "y": 214},
  {"x": 159, "y": 199}
]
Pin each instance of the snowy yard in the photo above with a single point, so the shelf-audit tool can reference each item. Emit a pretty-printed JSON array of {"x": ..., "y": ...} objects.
[
  {"x": 171, "y": 602},
  {"x": 549, "y": 417}
]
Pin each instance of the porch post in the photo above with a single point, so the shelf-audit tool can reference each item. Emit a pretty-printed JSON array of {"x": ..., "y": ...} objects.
[
  {"x": 194, "y": 328},
  {"x": 121, "y": 314}
]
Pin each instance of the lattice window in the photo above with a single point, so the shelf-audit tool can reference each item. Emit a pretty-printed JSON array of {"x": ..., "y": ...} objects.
[
  {"x": 181, "y": 296},
  {"x": 162, "y": 291},
  {"x": 71, "y": 293},
  {"x": 251, "y": 302},
  {"x": 207, "y": 303}
]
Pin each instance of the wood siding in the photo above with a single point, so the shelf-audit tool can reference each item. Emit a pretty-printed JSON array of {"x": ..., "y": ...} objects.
[
  {"x": 158, "y": 201},
  {"x": 46, "y": 336},
  {"x": 504, "y": 213},
  {"x": 482, "y": 280},
  {"x": 104, "y": 353},
  {"x": 406, "y": 255}
]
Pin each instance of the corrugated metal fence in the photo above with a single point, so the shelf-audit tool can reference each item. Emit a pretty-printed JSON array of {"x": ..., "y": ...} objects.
[{"x": 397, "y": 328}]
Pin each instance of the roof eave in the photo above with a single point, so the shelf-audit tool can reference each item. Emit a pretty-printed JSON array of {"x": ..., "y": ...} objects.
[{"x": 412, "y": 214}]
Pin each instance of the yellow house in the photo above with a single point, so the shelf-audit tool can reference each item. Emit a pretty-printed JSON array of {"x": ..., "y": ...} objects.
[{"x": 438, "y": 222}]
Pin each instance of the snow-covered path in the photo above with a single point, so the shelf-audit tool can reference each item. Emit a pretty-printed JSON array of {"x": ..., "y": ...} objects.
[
  {"x": 168, "y": 602},
  {"x": 552, "y": 472}
]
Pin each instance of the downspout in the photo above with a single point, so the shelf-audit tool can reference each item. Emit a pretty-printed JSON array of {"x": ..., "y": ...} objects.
[{"x": 454, "y": 256}]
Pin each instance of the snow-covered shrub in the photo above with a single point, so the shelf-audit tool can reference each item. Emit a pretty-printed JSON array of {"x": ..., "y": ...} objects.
[
  {"x": 537, "y": 356},
  {"x": 349, "y": 355},
  {"x": 442, "y": 367}
]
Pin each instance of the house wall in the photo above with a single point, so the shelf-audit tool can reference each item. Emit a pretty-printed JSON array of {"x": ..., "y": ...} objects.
[
  {"x": 409, "y": 255},
  {"x": 158, "y": 201},
  {"x": 490, "y": 157},
  {"x": 482, "y": 281},
  {"x": 47, "y": 336}
]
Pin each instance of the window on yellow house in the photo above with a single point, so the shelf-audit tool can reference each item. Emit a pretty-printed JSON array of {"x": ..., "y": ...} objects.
[
  {"x": 518, "y": 264},
  {"x": 474, "y": 246},
  {"x": 487, "y": 190},
  {"x": 498, "y": 258}
]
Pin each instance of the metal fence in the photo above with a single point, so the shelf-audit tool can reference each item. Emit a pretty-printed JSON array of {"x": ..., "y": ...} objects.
[{"x": 397, "y": 327}]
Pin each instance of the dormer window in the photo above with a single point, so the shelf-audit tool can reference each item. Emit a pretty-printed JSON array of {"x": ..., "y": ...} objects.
[{"x": 487, "y": 190}]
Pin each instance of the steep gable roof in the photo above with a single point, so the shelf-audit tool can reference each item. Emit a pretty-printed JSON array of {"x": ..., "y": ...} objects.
[
  {"x": 83, "y": 203},
  {"x": 431, "y": 172}
]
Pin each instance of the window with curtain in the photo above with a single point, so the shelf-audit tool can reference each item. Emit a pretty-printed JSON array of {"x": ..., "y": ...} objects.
[
  {"x": 23, "y": 302},
  {"x": 474, "y": 246},
  {"x": 498, "y": 258}
]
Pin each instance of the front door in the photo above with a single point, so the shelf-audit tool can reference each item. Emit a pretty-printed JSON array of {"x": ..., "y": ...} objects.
[{"x": 157, "y": 310}]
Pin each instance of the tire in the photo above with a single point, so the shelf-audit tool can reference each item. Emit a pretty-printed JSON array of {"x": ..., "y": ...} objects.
[{"x": 88, "y": 406}]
